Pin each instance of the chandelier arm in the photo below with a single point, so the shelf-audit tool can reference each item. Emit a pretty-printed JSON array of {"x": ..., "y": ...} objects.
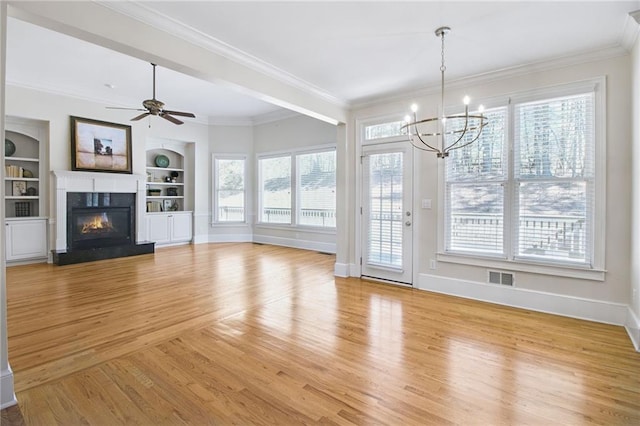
[
  {"x": 464, "y": 132},
  {"x": 419, "y": 136},
  {"x": 433, "y": 148},
  {"x": 430, "y": 149},
  {"x": 452, "y": 147}
]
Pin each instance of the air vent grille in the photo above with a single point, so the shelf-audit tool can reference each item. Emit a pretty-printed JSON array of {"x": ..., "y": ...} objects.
[{"x": 500, "y": 277}]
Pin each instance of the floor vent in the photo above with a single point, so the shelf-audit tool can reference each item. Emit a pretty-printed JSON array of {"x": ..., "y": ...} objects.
[{"x": 498, "y": 277}]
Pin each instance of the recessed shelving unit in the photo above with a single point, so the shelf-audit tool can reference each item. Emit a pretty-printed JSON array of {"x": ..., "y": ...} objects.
[
  {"x": 25, "y": 186},
  {"x": 169, "y": 192}
]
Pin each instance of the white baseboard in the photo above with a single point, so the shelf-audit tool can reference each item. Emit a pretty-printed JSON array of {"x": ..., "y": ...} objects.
[
  {"x": 295, "y": 243},
  {"x": 341, "y": 270},
  {"x": 354, "y": 270},
  {"x": 568, "y": 306},
  {"x": 633, "y": 328},
  {"x": 346, "y": 270},
  {"x": 201, "y": 239},
  {"x": 7, "y": 396},
  {"x": 230, "y": 238}
]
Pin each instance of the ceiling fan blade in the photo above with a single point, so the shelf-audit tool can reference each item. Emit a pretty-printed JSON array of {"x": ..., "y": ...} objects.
[
  {"x": 170, "y": 118},
  {"x": 182, "y": 114},
  {"x": 129, "y": 109},
  {"x": 141, "y": 116}
]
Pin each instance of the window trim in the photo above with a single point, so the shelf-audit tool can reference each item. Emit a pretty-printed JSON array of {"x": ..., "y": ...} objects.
[
  {"x": 292, "y": 154},
  {"x": 594, "y": 272},
  {"x": 214, "y": 178}
]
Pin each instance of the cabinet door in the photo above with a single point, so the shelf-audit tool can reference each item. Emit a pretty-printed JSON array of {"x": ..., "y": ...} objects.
[
  {"x": 181, "y": 227},
  {"x": 26, "y": 239},
  {"x": 158, "y": 228}
]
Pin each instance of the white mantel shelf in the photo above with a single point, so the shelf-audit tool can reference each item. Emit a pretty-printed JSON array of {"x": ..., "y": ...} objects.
[{"x": 67, "y": 181}]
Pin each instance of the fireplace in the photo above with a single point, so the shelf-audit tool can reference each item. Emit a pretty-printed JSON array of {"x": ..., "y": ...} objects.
[
  {"x": 97, "y": 220},
  {"x": 99, "y": 216}
]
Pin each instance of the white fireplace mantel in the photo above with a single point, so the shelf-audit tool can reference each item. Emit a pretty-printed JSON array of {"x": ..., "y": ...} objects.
[{"x": 66, "y": 181}]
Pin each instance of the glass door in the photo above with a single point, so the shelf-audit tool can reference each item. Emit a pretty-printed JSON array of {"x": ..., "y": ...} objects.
[{"x": 387, "y": 216}]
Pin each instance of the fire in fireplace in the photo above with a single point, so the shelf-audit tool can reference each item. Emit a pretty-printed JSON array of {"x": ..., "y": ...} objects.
[{"x": 98, "y": 224}]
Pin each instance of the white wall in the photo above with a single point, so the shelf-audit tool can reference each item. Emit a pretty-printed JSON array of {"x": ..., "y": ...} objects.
[
  {"x": 56, "y": 110},
  {"x": 293, "y": 133},
  {"x": 232, "y": 140},
  {"x": 633, "y": 323},
  {"x": 614, "y": 291},
  {"x": 7, "y": 396}
]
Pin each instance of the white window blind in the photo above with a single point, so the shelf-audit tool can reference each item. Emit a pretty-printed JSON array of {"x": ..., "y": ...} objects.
[
  {"x": 475, "y": 177},
  {"x": 316, "y": 189},
  {"x": 554, "y": 145},
  {"x": 384, "y": 179},
  {"x": 229, "y": 189},
  {"x": 275, "y": 189},
  {"x": 537, "y": 204}
]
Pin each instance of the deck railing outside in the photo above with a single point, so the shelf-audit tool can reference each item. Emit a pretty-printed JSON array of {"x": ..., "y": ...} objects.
[{"x": 561, "y": 237}]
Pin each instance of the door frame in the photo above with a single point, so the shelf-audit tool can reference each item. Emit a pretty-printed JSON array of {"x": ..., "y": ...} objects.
[{"x": 361, "y": 142}]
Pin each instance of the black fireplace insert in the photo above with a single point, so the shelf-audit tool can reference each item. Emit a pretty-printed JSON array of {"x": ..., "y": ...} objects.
[{"x": 96, "y": 220}]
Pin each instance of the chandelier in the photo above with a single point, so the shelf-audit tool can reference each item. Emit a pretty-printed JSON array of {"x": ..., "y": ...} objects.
[{"x": 468, "y": 127}]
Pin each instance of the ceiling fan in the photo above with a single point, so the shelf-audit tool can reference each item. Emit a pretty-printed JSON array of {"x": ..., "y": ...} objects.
[{"x": 155, "y": 107}]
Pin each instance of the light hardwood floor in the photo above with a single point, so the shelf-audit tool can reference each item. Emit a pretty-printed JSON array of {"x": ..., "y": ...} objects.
[{"x": 254, "y": 334}]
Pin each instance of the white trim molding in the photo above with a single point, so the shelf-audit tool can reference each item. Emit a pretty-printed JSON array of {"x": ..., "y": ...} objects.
[
  {"x": 230, "y": 238},
  {"x": 296, "y": 243},
  {"x": 341, "y": 270},
  {"x": 7, "y": 396},
  {"x": 630, "y": 30},
  {"x": 568, "y": 306},
  {"x": 632, "y": 326}
]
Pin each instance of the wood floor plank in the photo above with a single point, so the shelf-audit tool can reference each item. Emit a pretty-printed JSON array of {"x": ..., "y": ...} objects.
[{"x": 254, "y": 334}]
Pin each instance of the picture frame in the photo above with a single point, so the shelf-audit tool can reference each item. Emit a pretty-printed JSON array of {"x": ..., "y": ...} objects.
[
  {"x": 167, "y": 205},
  {"x": 19, "y": 188},
  {"x": 100, "y": 146}
]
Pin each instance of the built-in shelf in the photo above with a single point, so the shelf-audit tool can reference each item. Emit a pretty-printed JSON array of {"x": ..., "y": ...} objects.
[{"x": 26, "y": 224}]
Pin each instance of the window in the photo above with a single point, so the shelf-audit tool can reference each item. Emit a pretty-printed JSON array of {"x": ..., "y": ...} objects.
[
  {"x": 317, "y": 189},
  {"x": 538, "y": 203},
  {"x": 229, "y": 192},
  {"x": 554, "y": 178},
  {"x": 476, "y": 177},
  {"x": 275, "y": 189},
  {"x": 314, "y": 197},
  {"x": 384, "y": 130}
]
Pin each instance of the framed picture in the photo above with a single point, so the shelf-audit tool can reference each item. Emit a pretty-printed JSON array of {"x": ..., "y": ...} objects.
[
  {"x": 19, "y": 188},
  {"x": 99, "y": 146},
  {"x": 167, "y": 205}
]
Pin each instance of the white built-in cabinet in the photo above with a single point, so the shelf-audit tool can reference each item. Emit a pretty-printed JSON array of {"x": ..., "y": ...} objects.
[
  {"x": 25, "y": 189},
  {"x": 169, "y": 228},
  {"x": 169, "y": 193},
  {"x": 26, "y": 239}
]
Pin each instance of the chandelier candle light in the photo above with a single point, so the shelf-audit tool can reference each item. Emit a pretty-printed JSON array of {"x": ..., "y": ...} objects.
[{"x": 469, "y": 131}]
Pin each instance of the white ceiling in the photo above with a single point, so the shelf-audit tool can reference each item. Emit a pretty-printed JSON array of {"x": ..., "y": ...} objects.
[{"x": 352, "y": 51}]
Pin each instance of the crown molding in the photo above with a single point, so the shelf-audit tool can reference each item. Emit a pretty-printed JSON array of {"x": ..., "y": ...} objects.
[
  {"x": 273, "y": 116},
  {"x": 142, "y": 13},
  {"x": 497, "y": 75},
  {"x": 200, "y": 118},
  {"x": 267, "y": 117},
  {"x": 630, "y": 30},
  {"x": 230, "y": 121}
]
